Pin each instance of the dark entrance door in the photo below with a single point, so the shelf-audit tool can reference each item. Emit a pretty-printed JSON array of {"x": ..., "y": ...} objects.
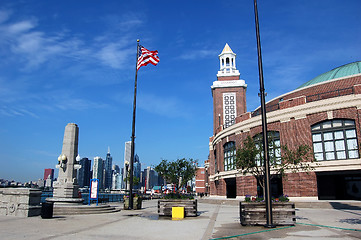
[
  {"x": 339, "y": 185},
  {"x": 231, "y": 187},
  {"x": 275, "y": 185}
]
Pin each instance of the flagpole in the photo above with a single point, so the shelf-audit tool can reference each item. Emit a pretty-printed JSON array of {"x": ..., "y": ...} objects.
[{"x": 131, "y": 165}]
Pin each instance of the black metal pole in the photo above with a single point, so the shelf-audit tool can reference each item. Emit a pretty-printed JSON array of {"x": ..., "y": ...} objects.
[
  {"x": 131, "y": 164},
  {"x": 264, "y": 126}
]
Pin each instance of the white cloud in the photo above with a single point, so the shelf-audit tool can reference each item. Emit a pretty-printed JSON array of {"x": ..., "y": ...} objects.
[
  {"x": 198, "y": 54},
  {"x": 32, "y": 47},
  {"x": 113, "y": 56},
  {"x": 20, "y": 27}
]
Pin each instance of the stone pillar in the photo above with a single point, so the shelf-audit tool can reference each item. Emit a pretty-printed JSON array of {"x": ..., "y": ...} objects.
[{"x": 66, "y": 187}]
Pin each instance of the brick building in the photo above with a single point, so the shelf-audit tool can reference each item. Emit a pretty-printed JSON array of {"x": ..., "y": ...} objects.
[
  {"x": 323, "y": 113},
  {"x": 201, "y": 184}
]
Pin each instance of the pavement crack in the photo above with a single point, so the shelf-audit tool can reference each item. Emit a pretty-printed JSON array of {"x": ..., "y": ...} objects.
[{"x": 208, "y": 233}]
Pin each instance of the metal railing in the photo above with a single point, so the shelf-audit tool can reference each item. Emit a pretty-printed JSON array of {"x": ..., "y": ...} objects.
[
  {"x": 269, "y": 108},
  {"x": 330, "y": 94},
  {"x": 312, "y": 98}
]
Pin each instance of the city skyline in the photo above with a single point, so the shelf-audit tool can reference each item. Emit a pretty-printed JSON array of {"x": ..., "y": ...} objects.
[{"x": 74, "y": 62}]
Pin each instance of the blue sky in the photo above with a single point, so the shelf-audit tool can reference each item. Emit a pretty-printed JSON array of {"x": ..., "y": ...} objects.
[{"x": 74, "y": 61}]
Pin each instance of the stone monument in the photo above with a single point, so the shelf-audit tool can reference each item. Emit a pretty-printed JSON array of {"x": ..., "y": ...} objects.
[{"x": 66, "y": 187}]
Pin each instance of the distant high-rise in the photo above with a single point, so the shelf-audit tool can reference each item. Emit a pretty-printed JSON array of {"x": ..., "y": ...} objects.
[
  {"x": 98, "y": 169},
  {"x": 84, "y": 172},
  {"x": 137, "y": 170},
  {"x": 108, "y": 170},
  {"x": 116, "y": 177},
  {"x": 47, "y": 172},
  {"x": 151, "y": 178},
  {"x": 49, "y": 177},
  {"x": 127, "y": 155}
]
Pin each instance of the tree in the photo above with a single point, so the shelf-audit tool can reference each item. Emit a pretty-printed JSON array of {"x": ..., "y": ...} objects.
[
  {"x": 249, "y": 159},
  {"x": 177, "y": 172}
]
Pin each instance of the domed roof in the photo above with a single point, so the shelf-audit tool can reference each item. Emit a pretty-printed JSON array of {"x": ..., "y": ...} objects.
[{"x": 339, "y": 72}]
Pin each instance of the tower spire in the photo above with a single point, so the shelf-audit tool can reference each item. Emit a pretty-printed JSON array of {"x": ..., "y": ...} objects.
[{"x": 227, "y": 61}]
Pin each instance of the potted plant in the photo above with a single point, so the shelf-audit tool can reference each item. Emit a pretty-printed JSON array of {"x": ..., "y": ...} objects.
[
  {"x": 253, "y": 211},
  {"x": 250, "y": 161},
  {"x": 137, "y": 202}
]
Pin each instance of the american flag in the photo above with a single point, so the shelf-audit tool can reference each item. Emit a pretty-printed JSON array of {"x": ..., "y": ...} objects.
[{"x": 145, "y": 56}]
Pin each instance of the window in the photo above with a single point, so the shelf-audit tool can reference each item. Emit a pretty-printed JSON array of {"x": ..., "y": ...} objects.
[
  {"x": 229, "y": 156},
  {"x": 335, "y": 140},
  {"x": 215, "y": 161},
  {"x": 227, "y": 62},
  {"x": 274, "y": 147}
]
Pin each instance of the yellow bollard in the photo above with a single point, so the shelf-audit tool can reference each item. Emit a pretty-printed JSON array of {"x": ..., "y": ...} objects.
[{"x": 177, "y": 213}]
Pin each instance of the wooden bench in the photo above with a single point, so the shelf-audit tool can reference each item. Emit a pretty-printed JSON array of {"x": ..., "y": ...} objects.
[{"x": 165, "y": 206}]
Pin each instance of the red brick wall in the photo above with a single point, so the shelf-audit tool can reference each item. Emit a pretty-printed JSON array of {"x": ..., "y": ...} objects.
[
  {"x": 218, "y": 103},
  {"x": 200, "y": 180},
  {"x": 322, "y": 88},
  {"x": 292, "y": 102},
  {"x": 218, "y": 187},
  {"x": 246, "y": 185},
  {"x": 229, "y": 78},
  {"x": 300, "y": 185}
]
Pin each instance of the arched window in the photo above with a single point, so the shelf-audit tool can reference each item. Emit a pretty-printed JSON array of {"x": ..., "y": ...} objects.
[
  {"x": 335, "y": 140},
  {"x": 274, "y": 147},
  {"x": 227, "y": 62},
  {"x": 229, "y": 150}
]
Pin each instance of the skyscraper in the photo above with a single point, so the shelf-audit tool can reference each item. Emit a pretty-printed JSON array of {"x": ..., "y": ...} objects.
[
  {"x": 47, "y": 172},
  {"x": 84, "y": 172},
  {"x": 98, "y": 169},
  {"x": 137, "y": 170},
  {"x": 127, "y": 155},
  {"x": 108, "y": 170},
  {"x": 116, "y": 177},
  {"x": 49, "y": 177}
]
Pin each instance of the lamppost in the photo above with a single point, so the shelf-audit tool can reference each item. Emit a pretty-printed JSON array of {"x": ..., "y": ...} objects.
[{"x": 264, "y": 126}]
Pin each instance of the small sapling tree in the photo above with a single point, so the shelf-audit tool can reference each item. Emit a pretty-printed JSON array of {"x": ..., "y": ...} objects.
[
  {"x": 283, "y": 160},
  {"x": 177, "y": 172}
]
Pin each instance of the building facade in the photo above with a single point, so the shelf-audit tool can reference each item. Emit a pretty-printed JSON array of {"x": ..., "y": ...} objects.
[
  {"x": 108, "y": 163},
  {"x": 98, "y": 171},
  {"x": 84, "y": 172},
  {"x": 137, "y": 168},
  {"x": 323, "y": 113},
  {"x": 201, "y": 180},
  {"x": 127, "y": 155}
]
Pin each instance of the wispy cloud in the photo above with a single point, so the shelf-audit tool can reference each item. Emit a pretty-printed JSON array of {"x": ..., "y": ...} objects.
[
  {"x": 16, "y": 111},
  {"x": 197, "y": 54},
  {"x": 26, "y": 47},
  {"x": 34, "y": 47}
]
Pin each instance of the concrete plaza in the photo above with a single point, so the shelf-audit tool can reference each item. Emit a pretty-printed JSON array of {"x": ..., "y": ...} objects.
[{"x": 216, "y": 220}]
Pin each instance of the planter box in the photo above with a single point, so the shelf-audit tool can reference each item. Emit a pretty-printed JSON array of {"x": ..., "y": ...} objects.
[
  {"x": 254, "y": 213},
  {"x": 137, "y": 203},
  {"x": 165, "y": 206}
]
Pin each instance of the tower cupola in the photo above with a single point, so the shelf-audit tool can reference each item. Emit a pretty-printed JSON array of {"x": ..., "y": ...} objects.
[{"x": 227, "y": 61}]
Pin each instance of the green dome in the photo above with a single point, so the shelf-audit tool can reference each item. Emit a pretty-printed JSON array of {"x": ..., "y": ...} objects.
[{"x": 342, "y": 71}]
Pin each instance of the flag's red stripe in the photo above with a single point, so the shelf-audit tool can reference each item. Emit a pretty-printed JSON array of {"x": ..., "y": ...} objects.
[{"x": 147, "y": 57}]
